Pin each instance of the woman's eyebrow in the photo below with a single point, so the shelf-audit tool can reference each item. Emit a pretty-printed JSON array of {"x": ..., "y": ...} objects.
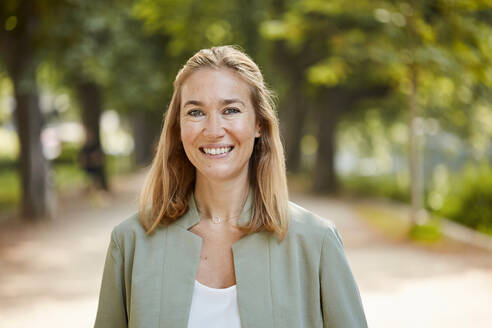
[
  {"x": 223, "y": 102},
  {"x": 193, "y": 102},
  {"x": 231, "y": 101}
]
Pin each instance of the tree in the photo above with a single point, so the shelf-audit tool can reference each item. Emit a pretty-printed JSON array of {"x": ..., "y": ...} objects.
[
  {"x": 19, "y": 48},
  {"x": 430, "y": 42},
  {"x": 77, "y": 49},
  {"x": 323, "y": 49}
]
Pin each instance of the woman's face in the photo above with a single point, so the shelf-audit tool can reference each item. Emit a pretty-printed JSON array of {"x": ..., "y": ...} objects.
[{"x": 218, "y": 123}]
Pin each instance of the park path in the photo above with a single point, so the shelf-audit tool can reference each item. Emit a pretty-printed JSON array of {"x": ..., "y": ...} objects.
[
  {"x": 50, "y": 273},
  {"x": 404, "y": 285}
]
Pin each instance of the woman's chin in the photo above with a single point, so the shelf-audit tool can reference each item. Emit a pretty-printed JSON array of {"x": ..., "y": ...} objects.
[{"x": 219, "y": 175}]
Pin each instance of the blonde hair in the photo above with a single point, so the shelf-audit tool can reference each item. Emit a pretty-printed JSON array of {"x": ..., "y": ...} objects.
[{"x": 170, "y": 182}]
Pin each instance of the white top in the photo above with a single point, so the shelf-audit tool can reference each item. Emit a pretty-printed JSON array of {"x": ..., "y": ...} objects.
[{"x": 214, "y": 307}]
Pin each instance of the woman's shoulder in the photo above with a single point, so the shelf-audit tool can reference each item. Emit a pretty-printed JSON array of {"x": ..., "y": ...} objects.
[
  {"x": 130, "y": 234},
  {"x": 306, "y": 223},
  {"x": 302, "y": 218},
  {"x": 129, "y": 225},
  {"x": 128, "y": 229}
]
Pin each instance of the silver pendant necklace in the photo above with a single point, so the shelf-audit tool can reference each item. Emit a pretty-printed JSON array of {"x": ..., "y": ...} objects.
[{"x": 217, "y": 219}]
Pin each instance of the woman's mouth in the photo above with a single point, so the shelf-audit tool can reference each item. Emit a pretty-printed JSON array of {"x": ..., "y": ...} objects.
[{"x": 217, "y": 152}]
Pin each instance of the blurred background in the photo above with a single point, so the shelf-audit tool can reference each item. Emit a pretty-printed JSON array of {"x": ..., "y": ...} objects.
[{"x": 386, "y": 117}]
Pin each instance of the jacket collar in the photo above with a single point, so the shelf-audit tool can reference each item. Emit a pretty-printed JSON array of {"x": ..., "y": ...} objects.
[
  {"x": 180, "y": 263},
  {"x": 191, "y": 217}
]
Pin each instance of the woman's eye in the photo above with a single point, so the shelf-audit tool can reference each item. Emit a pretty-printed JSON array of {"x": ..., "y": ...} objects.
[
  {"x": 195, "y": 112},
  {"x": 231, "y": 110}
]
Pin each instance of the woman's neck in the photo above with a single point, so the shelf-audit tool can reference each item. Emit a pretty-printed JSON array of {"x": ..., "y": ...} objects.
[{"x": 224, "y": 199}]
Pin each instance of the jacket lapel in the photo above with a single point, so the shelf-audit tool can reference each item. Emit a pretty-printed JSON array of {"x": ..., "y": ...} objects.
[
  {"x": 181, "y": 258},
  {"x": 252, "y": 267}
]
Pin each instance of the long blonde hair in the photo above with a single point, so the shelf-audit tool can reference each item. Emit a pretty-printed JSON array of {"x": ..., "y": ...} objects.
[{"x": 170, "y": 182}]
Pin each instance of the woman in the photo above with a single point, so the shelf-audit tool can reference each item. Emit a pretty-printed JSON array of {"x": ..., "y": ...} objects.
[{"x": 216, "y": 242}]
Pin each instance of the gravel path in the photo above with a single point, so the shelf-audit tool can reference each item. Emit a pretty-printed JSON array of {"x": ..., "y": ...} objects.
[
  {"x": 404, "y": 285},
  {"x": 50, "y": 273}
]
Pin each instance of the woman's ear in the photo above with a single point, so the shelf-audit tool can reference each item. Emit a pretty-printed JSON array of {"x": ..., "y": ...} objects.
[{"x": 257, "y": 130}]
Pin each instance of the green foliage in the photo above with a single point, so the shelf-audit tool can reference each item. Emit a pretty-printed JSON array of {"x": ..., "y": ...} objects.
[
  {"x": 10, "y": 190},
  {"x": 69, "y": 177},
  {"x": 393, "y": 221},
  {"x": 134, "y": 48},
  {"x": 117, "y": 165},
  {"x": 385, "y": 186},
  {"x": 69, "y": 154},
  {"x": 67, "y": 174},
  {"x": 428, "y": 233},
  {"x": 470, "y": 200},
  {"x": 389, "y": 220}
]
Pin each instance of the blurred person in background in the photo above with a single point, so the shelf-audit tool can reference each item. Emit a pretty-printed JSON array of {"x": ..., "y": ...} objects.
[
  {"x": 216, "y": 242},
  {"x": 91, "y": 159}
]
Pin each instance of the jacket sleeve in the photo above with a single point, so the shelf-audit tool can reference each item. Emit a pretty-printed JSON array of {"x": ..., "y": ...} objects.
[
  {"x": 111, "y": 311},
  {"x": 340, "y": 299}
]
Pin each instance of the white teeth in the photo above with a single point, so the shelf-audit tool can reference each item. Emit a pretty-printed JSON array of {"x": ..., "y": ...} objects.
[{"x": 217, "y": 151}]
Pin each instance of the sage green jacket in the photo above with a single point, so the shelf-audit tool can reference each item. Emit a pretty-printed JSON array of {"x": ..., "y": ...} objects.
[{"x": 302, "y": 281}]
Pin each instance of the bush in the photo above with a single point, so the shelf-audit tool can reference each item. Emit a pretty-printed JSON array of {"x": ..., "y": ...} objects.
[
  {"x": 386, "y": 186},
  {"x": 69, "y": 154},
  {"x": 10, "y": 188},
  {"x": 470, "y": 202},
  {"x": 429, "y": 232}
]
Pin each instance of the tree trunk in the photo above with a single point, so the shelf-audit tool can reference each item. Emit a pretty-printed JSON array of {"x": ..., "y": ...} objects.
[
  {"x": 89, "y": 96},
  {"x": 37, "y": 199},
  {"x": 293, "y": 118},
  {"x": 292, "y": 109},
  {"x": 90, "y": 99},
  {"x": 416, "y": 180},
  {"x": 325, "y": 179},
  {"x": 295, "y": 125},
  {"x": 291, "y": 66},
  {"x": 335, "y": 102},
  {"x": 146, "y": 127}
]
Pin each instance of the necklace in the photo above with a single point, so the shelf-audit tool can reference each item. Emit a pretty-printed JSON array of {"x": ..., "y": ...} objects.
[{"x": 216, "y": 219}]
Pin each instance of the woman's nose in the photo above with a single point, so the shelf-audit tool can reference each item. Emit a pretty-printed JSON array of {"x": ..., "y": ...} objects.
[{"x": 213, "y": 126}]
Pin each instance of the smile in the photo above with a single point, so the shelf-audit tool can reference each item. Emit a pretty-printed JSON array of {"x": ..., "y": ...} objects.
[{"x": 216, "y": 151}]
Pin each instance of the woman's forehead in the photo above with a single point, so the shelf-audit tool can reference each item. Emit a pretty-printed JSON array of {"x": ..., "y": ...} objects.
[{"x": 209, "y": 85}]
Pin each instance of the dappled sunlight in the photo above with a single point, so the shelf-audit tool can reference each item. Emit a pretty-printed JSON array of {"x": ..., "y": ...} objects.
[
  {"x": 448, "y": 300},
  {"x": 386, "y": 106},
  {"x": 52, "y": 312}
]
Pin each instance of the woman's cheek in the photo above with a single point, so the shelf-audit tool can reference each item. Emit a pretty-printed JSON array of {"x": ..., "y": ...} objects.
[
  {"x": 243, "y": 129},
  {"x": 189, "y": 132}
]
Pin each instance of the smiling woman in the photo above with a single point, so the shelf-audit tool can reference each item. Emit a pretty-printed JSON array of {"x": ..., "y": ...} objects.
[
  {"x": 216, "y": 242},
  {"x": 218, "y": 130}
]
